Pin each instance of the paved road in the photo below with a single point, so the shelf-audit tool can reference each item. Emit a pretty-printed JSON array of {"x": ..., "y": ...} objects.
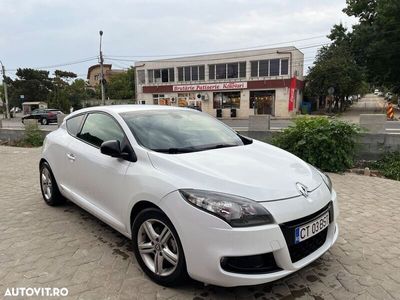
[
  {"x": 42, "y": 246},
  {"x": 370, "y": 104}
]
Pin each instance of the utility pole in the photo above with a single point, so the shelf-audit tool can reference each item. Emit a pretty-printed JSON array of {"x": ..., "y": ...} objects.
[
  {"x": 103, "y": 95},
  {"x": 5, "y": 91}
]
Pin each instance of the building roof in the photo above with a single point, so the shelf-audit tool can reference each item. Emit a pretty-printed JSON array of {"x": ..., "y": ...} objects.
[
  {"x": 97, "y": 66},
  {"x": 33, "y": 103}
]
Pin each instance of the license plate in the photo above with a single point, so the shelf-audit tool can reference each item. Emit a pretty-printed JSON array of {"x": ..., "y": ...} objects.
[{"x": 310, "y": 229}]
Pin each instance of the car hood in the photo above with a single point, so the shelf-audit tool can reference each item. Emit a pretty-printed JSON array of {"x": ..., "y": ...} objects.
[{"x": 257, "y": 171}]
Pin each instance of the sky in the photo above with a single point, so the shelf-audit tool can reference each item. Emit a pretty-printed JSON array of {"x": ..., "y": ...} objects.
[{"x": 48, "y": 33}]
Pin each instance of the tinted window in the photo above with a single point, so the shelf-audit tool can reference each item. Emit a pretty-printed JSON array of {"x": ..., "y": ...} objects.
[
  {"x": 274, "y": 67},
  {"x": 263, "y": 68},
  {"x": 211, "y": 71},
  {"x": 74, "y": 124},
  {"x": 180, "y": 74},
  {"x": 242, "y": 69},
  {"x": 284, "y": 66},
  {"x": 179, "y": 130},
  {"x": 201, "y": 72},
  {"x": 254, "y": 68},
  {"x": 99, "y": 128}
]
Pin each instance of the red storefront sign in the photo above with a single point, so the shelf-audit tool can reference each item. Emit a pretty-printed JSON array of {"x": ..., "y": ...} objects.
[
  {"x": 292, "y": 91},
  {"x": 210, "y": 87}
]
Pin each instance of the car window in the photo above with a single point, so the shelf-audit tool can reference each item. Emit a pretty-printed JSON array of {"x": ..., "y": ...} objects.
[
  {"x": 99, "y": 128},
  {"x": 175, "y": 131},
  {"x": 74, "y": 124}
]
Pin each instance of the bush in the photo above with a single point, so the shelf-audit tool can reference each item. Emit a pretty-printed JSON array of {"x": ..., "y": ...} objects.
[
  {"x": 33, "y": 136},
  {"x": 328, "y": 144},
  {"x": 389, "y": 165}
]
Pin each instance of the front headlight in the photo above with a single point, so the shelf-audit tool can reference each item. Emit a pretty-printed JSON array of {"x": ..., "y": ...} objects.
[{"x": 235, "y": 210}]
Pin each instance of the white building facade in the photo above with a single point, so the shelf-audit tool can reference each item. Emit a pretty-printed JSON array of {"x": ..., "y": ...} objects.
[{"x": 226, "y": 85}]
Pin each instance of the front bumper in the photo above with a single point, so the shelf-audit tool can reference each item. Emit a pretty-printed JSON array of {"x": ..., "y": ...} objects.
[{"x": 207, "y": 239}]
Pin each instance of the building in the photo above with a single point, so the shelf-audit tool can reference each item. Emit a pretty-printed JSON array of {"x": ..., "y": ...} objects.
[
  {"x": 28, "y": 107},
  {"x": 227, "y": 85},
  {"x": 94, "y": 72}
]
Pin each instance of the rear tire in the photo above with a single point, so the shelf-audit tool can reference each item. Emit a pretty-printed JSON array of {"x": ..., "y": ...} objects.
[
  {"x": 48, "y": 185},
  {"x": 44, "y": 121},
  {"x": 161, "y": 254}
]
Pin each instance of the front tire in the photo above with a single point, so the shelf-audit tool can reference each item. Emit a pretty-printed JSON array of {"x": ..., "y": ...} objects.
[
  {"x": 158, "y": 248},
  {"x": 48, "y": 185},
  {"x": 45, "y": 121}
]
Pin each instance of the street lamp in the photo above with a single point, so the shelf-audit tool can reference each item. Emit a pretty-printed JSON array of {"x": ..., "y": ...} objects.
[
  {"x": 5, "y": 90},
  {"x": 103, "y": 96}
]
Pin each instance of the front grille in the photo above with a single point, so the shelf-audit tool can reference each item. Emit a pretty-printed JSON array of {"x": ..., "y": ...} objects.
[
  {"x": 252, "y": 264},
  {"x": 305, "y": 248}
]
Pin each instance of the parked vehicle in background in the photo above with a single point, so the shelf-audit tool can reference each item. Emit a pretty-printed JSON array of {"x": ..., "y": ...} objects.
[
  {"x": 376, "y": 92},
  {"x": 15, "y": 110},
  {"x": 195, "y": 197},
  {"x": 388, "y": 96},
  {"x": 44, "y": 116}
]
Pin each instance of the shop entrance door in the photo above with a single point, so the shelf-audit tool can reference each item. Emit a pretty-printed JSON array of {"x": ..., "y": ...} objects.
[{"x": 264, "y": 102}]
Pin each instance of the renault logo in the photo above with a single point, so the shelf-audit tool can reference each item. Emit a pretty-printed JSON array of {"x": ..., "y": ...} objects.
[{"x": 302, "y": 189}]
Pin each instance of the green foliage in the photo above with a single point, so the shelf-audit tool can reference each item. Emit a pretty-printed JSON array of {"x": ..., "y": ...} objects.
[
  {"x": 33, "y": 136},
  {"x": 121, "y": 86},
  {"x": 374, "y": 40},
  {"x": 389, "y": 165},
  {"x": 336, "y": 67},
  {"x": 328, "y": 144}
]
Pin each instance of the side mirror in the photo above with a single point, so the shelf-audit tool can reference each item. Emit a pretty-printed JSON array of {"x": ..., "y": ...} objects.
[{"x": 113, "y": 148}]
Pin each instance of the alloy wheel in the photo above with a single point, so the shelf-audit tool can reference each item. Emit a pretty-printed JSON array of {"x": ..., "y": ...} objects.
[
  {"x": 158, "y": 247},
  {"x": 46, "y": 183}
]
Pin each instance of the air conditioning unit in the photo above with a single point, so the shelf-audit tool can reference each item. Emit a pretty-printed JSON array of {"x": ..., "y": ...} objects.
[{"x": 204, "y": 97}]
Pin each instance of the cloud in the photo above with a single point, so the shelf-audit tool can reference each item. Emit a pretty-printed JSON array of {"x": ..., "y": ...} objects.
[{"x": 46, "y": 32}]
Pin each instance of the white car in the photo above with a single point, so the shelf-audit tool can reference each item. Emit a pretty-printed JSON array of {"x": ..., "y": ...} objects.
[{"x": 196, "y": 198}]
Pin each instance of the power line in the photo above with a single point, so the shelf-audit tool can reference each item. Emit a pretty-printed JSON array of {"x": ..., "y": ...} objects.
[
  {"x": 210, "y": 59},
  {"x": 61, "y": 65},
  {"x": 221, "y": 51}
]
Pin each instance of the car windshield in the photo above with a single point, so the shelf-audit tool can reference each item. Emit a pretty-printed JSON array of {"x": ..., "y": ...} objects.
[{"x": 179, "y": 131}]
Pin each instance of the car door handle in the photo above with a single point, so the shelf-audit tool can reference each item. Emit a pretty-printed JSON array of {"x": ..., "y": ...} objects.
[{"x": 71, "y": 156}]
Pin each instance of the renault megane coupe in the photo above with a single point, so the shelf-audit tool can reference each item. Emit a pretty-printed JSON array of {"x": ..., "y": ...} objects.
[{"x": 196, "y": 198}]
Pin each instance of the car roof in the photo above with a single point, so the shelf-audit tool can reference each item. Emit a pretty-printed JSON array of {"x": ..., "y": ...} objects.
[{"x": 127, "y": 108}]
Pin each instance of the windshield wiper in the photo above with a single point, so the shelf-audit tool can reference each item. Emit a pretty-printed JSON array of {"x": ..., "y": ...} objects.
[
  {"x": 176, "y": 150},
  {"x": 218, "y": 146}
]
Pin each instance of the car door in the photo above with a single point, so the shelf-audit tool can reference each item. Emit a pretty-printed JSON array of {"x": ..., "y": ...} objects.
[{"x": 98, "y": 179}]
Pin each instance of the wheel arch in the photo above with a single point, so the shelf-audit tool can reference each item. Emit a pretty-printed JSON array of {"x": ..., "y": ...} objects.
[{"x": 138, "y": 207}]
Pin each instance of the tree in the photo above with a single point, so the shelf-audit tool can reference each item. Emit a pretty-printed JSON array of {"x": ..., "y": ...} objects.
[
  {"x": 35, "y": 85},
  {"x": 122, "y": 85},
  {"x": 335, "y": 66},
  {"x": 375, "y": 39}
]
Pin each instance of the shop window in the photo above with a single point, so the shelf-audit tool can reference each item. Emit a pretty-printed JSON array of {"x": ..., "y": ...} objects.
[
  {"x": 263, "y": 68},
  {"x": 274, "y": 67},
  {"x": 226, "y": 100},
  {"x": 242, "y": 69},
  {"x": 284, "y": 66},
  {"x": 141, "y": 77},
  {"x": 254, "y": 68},
  {"x": 211, "y": 71}
]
